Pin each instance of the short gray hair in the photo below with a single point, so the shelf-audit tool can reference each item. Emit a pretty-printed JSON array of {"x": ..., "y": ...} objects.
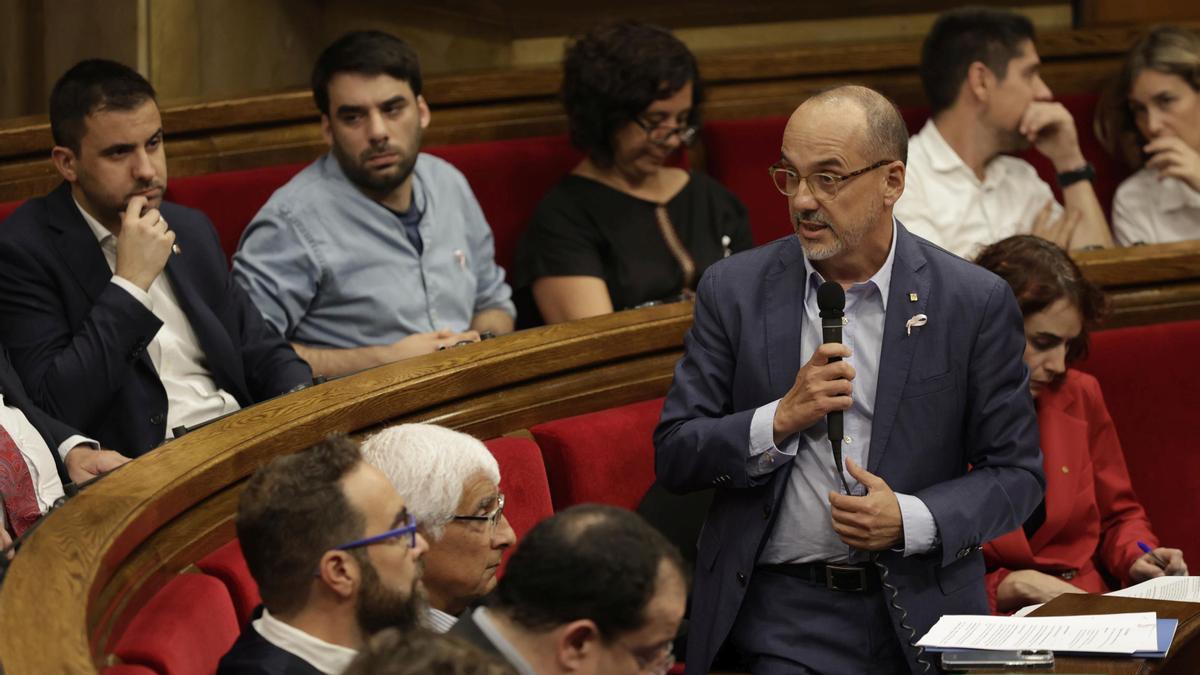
[
  {"x": 887, "y": 137},
  {"x": 429, "y": 465}
]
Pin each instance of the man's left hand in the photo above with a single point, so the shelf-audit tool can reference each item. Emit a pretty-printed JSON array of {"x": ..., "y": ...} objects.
[
  {"x": 871, "y": 522},
  {"x": 85, "y": 463},
  {"x": 1051, "y": 129}
]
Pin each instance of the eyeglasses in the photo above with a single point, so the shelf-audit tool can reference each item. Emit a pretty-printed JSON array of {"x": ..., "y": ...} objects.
[
  {"x": 660, "y": 134},
  {"x": 659, "y": 661},
  {"x": 822, "y": 185},
  {"x": 493, "y": 517},
  {"x": 409, "y": 528}
]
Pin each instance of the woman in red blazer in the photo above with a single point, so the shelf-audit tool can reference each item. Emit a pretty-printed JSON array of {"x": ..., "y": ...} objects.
[{"x": 1085, "y": 535}]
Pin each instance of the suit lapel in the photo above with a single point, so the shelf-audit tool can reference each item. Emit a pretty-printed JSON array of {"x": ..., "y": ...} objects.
[
  {"x": 1059, "y": 431},
  {"x": 895, "y": 357},
  {"x": 77, "y": 244},
  {"x": 783, "y": 317}
]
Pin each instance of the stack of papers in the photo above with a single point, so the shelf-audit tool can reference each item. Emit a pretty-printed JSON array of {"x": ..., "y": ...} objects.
[
  {"x": 1134, "y": 634},
  {"x": 1179, "y": 589}
]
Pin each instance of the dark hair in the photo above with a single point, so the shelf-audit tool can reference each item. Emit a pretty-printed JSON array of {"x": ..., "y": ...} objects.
[
  {"x": 90, "y": 86},
  {"x": 420, "y": 652},
  {"x": 586, "y": 562},
  {"x": 963, "y": 36},
  {"x": 1040, "y": 273},
  {"x": 366, "y": 52},
  {"x": 1171, "y": 50},
  {"x": 292, "y": 511},
  {"x": 613, "y": 73}
]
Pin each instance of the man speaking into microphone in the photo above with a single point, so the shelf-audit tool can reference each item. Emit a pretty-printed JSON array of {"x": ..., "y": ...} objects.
[{"x": 793, "y": 573}]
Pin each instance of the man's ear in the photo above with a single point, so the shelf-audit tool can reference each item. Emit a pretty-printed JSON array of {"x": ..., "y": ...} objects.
[
  {"x": 64, "y": 160},
  {"x": 423, "y": 112},
  {"x": 340, "y": 572},
  {"x": 577, "y": 644},
  {"x": 327, "y": 129},
  {"x": 893, "y": 183},
  {"x": 980, "y": 81}
]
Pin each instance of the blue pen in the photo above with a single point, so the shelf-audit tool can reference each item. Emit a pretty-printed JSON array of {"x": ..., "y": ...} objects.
[{"x": 1162, "y": 564}]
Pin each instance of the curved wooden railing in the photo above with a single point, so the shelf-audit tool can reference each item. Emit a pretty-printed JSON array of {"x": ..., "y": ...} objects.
[{"x": 84, "y": 572}]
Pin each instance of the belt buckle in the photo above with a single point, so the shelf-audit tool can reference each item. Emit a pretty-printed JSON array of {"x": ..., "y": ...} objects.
[{"x": 846, "y": 578}]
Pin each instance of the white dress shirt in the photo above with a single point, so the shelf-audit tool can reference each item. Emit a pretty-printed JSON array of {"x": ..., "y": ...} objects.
[
  {"x": 1150, "y": 210},
  {"x": 325, "y": 656},
  {"x": 46, "y": 483},
  {"x": 192, "y": 395},
  {"x": 947, "y": 204},
  {"x": 438, "y": 621}
]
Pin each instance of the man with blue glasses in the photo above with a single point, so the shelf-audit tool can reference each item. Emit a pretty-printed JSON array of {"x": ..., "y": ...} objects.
[{"x": 336, "y": 555}]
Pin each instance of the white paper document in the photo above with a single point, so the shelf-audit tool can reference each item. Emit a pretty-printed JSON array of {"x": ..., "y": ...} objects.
[
  {"x": 1108, "y": 633},
  {"x": 1182, "y": 589}
]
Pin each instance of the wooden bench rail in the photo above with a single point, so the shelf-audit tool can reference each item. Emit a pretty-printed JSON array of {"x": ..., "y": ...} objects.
[
  {"x": 94, "y": 561},
  {"x": 257, "y": 131},
  {"x": 1147, "y": 284}
]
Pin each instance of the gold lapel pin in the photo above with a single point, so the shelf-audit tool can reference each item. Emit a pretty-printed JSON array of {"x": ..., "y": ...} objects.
[{"x": 912, "y": 297}]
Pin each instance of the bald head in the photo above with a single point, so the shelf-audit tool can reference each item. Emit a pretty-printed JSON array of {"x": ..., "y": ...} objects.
[{"x": 878, "y": 124}]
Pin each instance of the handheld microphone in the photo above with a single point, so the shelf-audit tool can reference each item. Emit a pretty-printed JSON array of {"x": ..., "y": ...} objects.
[{"x": 831, "y": 300}]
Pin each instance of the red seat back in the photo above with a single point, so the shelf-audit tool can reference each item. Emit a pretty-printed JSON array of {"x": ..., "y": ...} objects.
[
  {"x": 183, "y": 630},
  {"x": 6, "y": 208},
  {"x": 228, "y": 565},
  {"x": 605, "y": 456},
  {"x": 1148, "y": 374},
  {"x": 523, "y": 482},
  {"x": 231, "y": 198}
]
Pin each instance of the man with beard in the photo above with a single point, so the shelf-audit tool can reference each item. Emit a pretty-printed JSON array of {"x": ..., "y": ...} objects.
[
  {"x": 336, "y": 555},
  {"x": 452, "y": 485},
  {"x": 374, "y": 252},
  {"x": 797, "y": 548},
  {"x": 979, "y": 68},
  {"x": 118, "y": 308}
]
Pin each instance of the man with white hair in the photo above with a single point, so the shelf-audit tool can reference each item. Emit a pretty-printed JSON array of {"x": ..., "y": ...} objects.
[{"x": 451, "y": 483}]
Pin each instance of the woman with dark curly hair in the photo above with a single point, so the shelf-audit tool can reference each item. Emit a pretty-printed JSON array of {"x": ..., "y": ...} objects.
[
  {"x": 625, "y": 228},
  {"x": 1090, "y": 523},
  {"x": 1153, "y": 122}
]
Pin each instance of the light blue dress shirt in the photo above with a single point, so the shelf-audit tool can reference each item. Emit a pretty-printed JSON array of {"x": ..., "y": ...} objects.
[
  {"x": 329, "y": 267},
  {"x": 803, "y": 531}
]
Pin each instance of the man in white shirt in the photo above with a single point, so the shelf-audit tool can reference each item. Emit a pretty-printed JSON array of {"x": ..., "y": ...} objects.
[
  {"x": 119, "y": 311},
  {"x": 51, "y": 452},
  {"x": 979, "y": 68},
  {"x": 336, "y": 555},
  {"x": 451, "y": 483}
]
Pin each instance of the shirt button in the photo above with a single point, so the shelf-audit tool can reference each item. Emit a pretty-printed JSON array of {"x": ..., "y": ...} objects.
[
  {"x": 845, "y": 321},
  {"x": 741, "y": 579},
  {"x": 847, "y": 440}
]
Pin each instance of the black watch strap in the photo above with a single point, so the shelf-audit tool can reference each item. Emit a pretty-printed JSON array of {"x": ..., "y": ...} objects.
[{"x": 1067, "y": 178}]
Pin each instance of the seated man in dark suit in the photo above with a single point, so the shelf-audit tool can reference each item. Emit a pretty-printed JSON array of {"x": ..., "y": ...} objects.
[
  {"x": 102, "y": 338},
  {"x": 38, "y": 454},
  {"x": 592, "y": 589},
  {"x": 336, "y": 555}
]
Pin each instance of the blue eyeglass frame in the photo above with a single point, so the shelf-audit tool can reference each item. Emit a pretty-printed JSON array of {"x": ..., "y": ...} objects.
[{"x": 409, "y": 528}]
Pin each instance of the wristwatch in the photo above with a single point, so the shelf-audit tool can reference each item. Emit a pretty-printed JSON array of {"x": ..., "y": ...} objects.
[{"x": 1067, "y": 178}]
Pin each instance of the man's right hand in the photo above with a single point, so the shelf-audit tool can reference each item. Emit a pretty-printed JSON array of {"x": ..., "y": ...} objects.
[
  {"x": 143, "y": 245},
  {"x": 821, "y": 387},
  {"x": 418, "y": 344}
]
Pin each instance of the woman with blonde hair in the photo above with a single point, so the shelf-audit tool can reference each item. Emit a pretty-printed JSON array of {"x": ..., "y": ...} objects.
[{"x": 1153, "y": 122}]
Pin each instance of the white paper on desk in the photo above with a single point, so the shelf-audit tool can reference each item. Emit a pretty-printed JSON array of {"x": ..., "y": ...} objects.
[
  {"x": 1027, "y": 609},
  {"x": 1181, "y": 589},
  {"x": 1108, "y": 633}
]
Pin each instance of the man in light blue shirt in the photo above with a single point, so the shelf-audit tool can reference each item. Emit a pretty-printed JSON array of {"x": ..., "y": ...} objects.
[{"x": 375, "y": 252}]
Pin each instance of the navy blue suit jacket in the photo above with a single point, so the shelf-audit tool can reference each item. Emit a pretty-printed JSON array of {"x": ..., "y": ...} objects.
[
  {"x": 79, "y": 341},
  {"x": 954, "y": 394},
  {"x": 52, "y": 431}
]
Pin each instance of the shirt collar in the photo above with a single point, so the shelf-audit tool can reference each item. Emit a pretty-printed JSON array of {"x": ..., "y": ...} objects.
[
  {"x": 439, "y": 621},
  {"x": 882, "y": 279},
  {"x": 101, "y": 232},
  {"x": 514, "y": 657},
  {"x": 326, "y": 657},
  {"x": 943, "y": 158}
]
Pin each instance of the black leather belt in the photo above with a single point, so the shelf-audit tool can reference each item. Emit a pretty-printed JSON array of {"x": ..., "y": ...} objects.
[{"x": 843, "y": 577}]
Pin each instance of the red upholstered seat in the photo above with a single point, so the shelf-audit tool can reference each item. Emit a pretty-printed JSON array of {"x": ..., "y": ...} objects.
[
  {"x": 523, "y": 482},
  {"x": 1148, "y": 375},
  {"x": 184, "y": 629},
  {"x": 605, "y": 456},
  {"x": 6, "y": 208},
  {"x": 228, "y": 565},
  {"x": 509, "y": 178},
  {"x": 231, "y": 198}
]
